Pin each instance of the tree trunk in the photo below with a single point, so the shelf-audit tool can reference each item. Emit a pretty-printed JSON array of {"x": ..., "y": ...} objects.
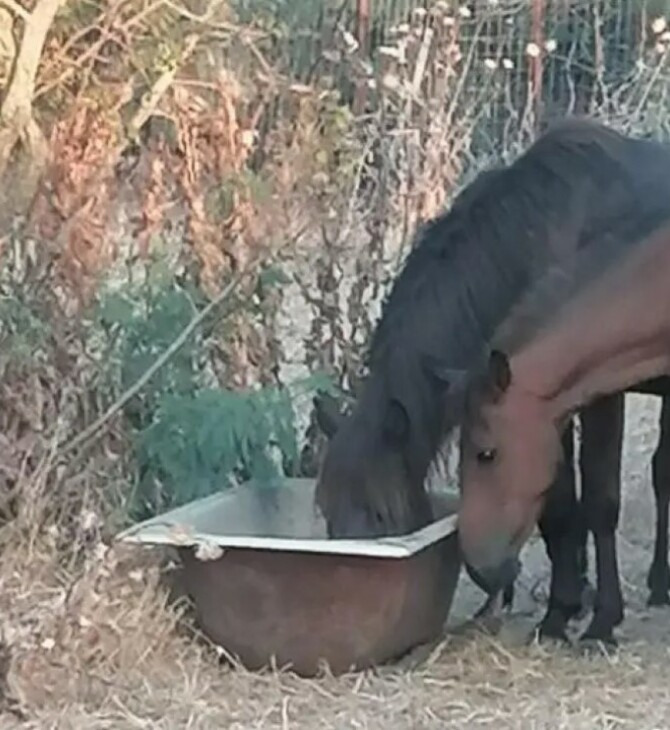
[{"x": 23, "y": 147}]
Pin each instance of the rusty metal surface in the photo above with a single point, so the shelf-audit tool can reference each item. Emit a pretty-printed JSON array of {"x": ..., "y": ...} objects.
[
  {"x": 282, "y": 589},
  {"x": 302, "y": 609}
]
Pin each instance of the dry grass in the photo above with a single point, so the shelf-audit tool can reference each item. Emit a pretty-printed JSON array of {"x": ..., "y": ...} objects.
[{"x": 102, "y": 650}]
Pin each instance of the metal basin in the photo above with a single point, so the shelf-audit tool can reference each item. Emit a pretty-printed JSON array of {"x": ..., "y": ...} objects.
[{"x": 268, "y": 583}]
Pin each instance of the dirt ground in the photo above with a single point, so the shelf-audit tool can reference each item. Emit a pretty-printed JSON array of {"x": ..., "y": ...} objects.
[{"x": 110, "y": 657}]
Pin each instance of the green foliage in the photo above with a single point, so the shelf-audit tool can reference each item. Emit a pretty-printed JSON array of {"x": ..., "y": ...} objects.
[
  {"x": 141, "y": 322},
  {"x": 272, "y": 276},
  {"x": 199, "y": 443},
  {"x": 340, "y": 148},
  {"x": 192, "y": 439}
]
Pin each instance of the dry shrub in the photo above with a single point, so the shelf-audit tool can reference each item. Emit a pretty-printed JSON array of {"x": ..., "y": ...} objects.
[
  {"x": 74, "y": 210},
  {"x": 77, "y": 614},
  {"x": 153, "y": 197},
  {"x": 214, "y": 147},
  {"x": 71, "y": 633}
]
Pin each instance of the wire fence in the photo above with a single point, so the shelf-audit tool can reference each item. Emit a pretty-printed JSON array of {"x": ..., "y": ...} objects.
[{"x": 557, "y": 56}]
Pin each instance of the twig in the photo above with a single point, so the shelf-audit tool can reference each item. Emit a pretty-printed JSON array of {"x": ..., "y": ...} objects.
[
  {"x": 177, "y": 343},
  {"x": 654, "y": 77},
  {"x": 194, "y": 17},
  {"x": 421, "y": 61},
  {"x": 107, "y": 33},
  {"x": 152, "y": 99}
]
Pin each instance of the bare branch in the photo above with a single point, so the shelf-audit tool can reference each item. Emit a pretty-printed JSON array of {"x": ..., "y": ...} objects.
[
  {"x": 16, "y": 9},
  {"x": 146, "y": 109},
  {"x": 18, "y": 101},
  {"x": 152, "y": 99},
  {"x": 16, "y": 117},
  {"x": 92, "y": 430}
]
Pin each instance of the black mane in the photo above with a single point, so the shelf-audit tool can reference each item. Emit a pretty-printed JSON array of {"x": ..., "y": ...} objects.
[
  {"x": 545, "y": 300},
  {"x": 471, "y": 264}
]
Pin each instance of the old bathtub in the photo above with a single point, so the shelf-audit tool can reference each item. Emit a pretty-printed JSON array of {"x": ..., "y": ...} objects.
[{"x": 268, "y": 584}]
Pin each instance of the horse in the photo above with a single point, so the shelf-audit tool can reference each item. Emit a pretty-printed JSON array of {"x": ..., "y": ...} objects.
[
  {"x": 591, "y": 327},
  {"x": 468, "y": 268}
]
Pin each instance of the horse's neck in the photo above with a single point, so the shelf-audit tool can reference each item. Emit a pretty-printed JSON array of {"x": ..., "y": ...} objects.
[{"x": 609, "y": 337}]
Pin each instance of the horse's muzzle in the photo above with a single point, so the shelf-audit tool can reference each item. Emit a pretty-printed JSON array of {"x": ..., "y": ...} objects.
[
  {"x": 492, "y": 579},
  {"x": 353, "y": 524}
]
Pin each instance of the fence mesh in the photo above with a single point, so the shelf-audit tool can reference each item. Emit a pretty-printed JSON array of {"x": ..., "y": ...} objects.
[{"x": 556, "y": 56}]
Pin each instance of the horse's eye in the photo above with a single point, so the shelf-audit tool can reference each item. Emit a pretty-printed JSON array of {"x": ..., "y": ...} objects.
[{"x": 486, "y": 456}]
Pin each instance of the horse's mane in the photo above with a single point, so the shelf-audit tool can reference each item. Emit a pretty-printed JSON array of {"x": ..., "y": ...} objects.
[
  {"x": 493, "y": 222},
  {"x": 469, "y": 265},
  {"x": 579, "y": 182},
  {"x": 544, "y": 302},
  {"x": 488, "y": 234}
]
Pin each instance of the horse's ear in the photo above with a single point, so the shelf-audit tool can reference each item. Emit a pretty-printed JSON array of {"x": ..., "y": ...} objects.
[
  {"x": 328, "y": 415},
  {"x": 396, "y": 423},
  {"x": 451, "y": 379},
  {"x": 355, "y": 386},
  {"x": 499, "y": 371}
]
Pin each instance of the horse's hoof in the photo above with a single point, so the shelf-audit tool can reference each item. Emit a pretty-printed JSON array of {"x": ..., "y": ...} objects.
[
  {"x": 492, "y": 607},
  {"x": 605, "y": 645},
  {"x": 488, "y": 619},
  {"x": 658, "y": 598},
  {"x": 490, "y": 624},
  {"x": 553, "y": 627},
  {"x": 486, "y": 610},
  {"x": 658, "y": 579},
  {"x": 598, "y": 634},
  {"x": 548, "y": 632}
]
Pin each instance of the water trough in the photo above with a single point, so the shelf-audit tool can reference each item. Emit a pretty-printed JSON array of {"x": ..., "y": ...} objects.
[{"x": 268, "y": 583}]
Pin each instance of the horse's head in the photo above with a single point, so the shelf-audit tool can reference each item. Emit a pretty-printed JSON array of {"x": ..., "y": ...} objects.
[
  {"x": 364, "y": 487},
  {"x": 510, "y": 448},
  {"x": 371, "y": 480}
]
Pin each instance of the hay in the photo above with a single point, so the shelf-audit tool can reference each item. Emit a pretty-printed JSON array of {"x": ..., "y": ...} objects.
[
  {"x": 90, "y": 642},
  {"x": 104, "y": 651}
]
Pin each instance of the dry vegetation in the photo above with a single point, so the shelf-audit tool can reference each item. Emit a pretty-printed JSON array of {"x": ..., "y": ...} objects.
[
  {"x": 137, "y": 132},
  {"x": 102, "y": 651}
]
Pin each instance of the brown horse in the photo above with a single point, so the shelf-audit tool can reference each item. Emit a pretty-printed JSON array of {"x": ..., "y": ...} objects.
[
  {"x": 597, "y": 325},
  {"x": 470, "y": 266}
]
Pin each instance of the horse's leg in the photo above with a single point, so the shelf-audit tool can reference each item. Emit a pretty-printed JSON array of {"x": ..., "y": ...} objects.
[
  {"x": 494, "y": 603},
  {"x": 588, "y": 591},
  {"x": 658, "y": 579},
  {"x": 600, "y": 460},
  {"x": 560, "y": 529},
  {"x": 508, "y": 596}
]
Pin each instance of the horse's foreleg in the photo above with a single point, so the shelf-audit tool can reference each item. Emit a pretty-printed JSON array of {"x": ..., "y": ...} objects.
[
  {"x": 495, "y": 602},
  {"x": 600, "y": 461},
  {"x": 508, "y": 596},
  {"x": 658, "y": 579},
  {"x": 564, "y": 537}
]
